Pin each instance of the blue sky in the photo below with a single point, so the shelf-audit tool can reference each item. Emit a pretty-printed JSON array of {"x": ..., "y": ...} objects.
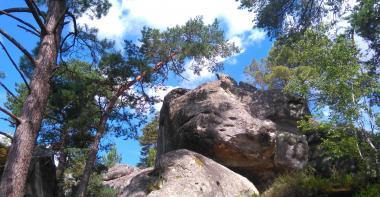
[{"x": 125, "y": 20}]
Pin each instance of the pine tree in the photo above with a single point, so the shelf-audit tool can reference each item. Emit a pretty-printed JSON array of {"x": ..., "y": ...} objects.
[
  {"x": 148, "y": 143},
  {"x": 50, "y": 25}
]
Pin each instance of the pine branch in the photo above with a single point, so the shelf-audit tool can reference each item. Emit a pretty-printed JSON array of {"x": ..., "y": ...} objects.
[
  {"x": 21, "y": 21},
  {"x": 7, "y": 89},
  {"x": 129, "y": 84},
  {"x": 39, "y": 11},
  {"x": 10, "y": 122},
  {"x": 28, "y": 30},
  {"x": 13, "y": 10},
  {"x": 61, "y": 18},
  {"x": 19, "y": 46},
  {"x": 18, "y": 120},
  {"x": 71, "y": 15},
  {"x": 75, "y": 33},
  {"x": 36, "y": 13},
  {"x": 15, "y": 66},
  {"x": 23, "y": 10}
]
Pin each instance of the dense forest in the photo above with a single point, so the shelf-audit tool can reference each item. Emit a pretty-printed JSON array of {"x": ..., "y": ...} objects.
[{"x": 78, "y": 88}]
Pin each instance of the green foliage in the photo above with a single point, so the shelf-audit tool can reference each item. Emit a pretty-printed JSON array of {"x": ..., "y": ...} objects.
[
  {"x": 300, "y": 184},
  {"x": 369, "y": 191},
  {"x": 111, "y": 158},
  {"x": 148, "y": 142},
  {"x": 366, "y": 22},
  {"x": 288, "y": 18},
  {"x": 15, "y": 104},
  {"x": 73, "y": 172},
  {"x": 337, "y": 141},
  {"x": 97, "y": 189},
  {"x": 319, "y": 69},
  {"x": 308, "y": 183},
  {"x": 194, "y": 41}
]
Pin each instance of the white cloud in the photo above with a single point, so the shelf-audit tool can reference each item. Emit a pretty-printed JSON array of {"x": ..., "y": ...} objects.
[
  {"x": 256, "y": 35},
  {"x": 5, "y": 140},
  {"x": 366, "y": 52},
  {"x": 340, "y": 21},
  {"x": 193, "y": 80},
  {"x": 340, "y": 24},
  {"x": 168, "y": 13},
  {"x": 126, "y": 18},
  {"x": 160, "y": 92}
]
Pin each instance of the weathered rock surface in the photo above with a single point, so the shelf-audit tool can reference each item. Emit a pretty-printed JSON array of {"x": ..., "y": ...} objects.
[
  {"x": 184, "y": 173},
  {"x": 41, "y": 181},
  {"x": 253, "y": 132},
  {"x": 120, "y": 176},
  {"x": 119, "y": 170}
]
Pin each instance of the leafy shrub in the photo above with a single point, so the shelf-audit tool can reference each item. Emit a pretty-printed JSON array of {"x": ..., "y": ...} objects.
[
  {"x": 370, "y": 191},
  {"x": 301, "y": 184}
]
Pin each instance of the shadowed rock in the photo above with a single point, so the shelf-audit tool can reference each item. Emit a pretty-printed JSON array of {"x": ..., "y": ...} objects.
[{"x": 253, "y": 132}]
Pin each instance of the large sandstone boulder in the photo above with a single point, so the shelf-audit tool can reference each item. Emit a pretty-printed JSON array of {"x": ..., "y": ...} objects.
[
  {"x": 184, "y": 173},
  {"x": 253, "y": 132}
]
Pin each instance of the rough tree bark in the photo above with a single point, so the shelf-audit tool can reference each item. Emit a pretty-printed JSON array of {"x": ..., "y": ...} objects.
[
  {"x": 82, "y": 187},
  {"x": 20, "y": 154}
]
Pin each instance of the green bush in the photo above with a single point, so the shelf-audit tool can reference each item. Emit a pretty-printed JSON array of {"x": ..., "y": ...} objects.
[
  {"x": 298, "y": 184},
  {"x": 370, "y": 191},
  {"x": 97, "y": 189}
]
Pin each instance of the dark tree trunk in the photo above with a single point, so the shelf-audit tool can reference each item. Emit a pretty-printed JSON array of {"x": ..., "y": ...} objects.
[
  {"x": 81, "y": 190},
  {"x": 82, "y": 187},
  {"x": 20, "y": 154}
]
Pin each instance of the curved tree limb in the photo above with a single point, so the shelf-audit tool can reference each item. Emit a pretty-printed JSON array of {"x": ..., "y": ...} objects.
[
  {"x": 28, "y": 30},
  {"x": 19, "y": 46},
  {"x": 42, "y": 14},
  {"x": 18, "y": 120},
  {"x": 15, "y": 66},
  {"x": 23, "y": 10},
  {"x": 36, "y": 13},
  {"x": 12, "y": 10},
  {"x": 71, "y": 15},
  {"x": 21, "y": 21},
  {"x": 7, "y": 89},
  {"x": 10, "y": 122},
  {"x": 61, "y": 18}
]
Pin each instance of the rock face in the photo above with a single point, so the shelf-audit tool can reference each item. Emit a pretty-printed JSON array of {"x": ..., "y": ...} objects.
[
  {"x": 119, "y": 170},
  {"x": 41, "y": 180},
  {"x": 120, "y": 176},
  {"x": 252, "y": 132},
  {"x": 185, "y": 173}
]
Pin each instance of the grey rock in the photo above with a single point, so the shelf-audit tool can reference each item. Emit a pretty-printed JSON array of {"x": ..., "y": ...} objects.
[
  {"x": 135, "y": 183},
  {"x": 186, "y": 173},
  {"x": 41, "y": 181},
  {"x": 251, "y": 131},
  {"x": 119, "y": 170}
]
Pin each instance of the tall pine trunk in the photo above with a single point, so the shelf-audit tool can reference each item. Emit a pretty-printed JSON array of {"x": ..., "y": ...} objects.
[
  {"x": 82, "y": 187},
  {"x": 21, "y": 151},
  {"x": 91, "y": 158}
]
